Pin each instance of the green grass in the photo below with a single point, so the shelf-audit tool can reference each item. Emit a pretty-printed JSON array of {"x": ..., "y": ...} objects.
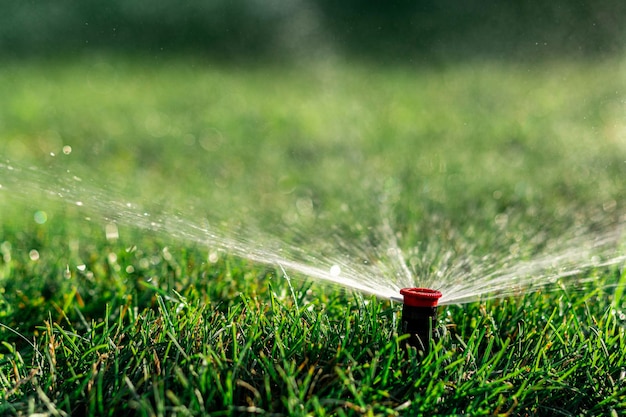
[{"x": 146, "y": 325}]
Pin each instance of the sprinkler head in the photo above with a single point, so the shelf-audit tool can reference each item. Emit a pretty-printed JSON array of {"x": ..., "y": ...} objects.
[{"x": 419, "y": 316}]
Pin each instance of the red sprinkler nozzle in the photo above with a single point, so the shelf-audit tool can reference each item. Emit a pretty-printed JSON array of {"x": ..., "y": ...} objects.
[{"x": 419, "y": 316}]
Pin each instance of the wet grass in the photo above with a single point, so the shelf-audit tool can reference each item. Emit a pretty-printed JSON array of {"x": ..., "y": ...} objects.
[
  {"x": 475, "y": 159},
  {"x": 230, "y": 339}
]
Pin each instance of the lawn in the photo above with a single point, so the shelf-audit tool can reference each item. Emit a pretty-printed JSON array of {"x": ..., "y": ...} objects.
[{"x": 113, "y": 299}]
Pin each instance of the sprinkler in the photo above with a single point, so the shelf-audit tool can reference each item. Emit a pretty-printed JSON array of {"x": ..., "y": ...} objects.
[{"x": 419, "y": 316}]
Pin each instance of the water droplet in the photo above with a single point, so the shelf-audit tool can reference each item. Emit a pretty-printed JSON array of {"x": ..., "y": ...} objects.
[
  {"x": 501, "y": 220},
  {"x": 81, "y": 268},
  {"x": 52, "y": 154},
  {"x": 79, "y": 203},
  {"x": 335, "y": 270},
  {"x": 40, "y": 217},
  {"x": 111, "y": 231},
  {"x": 33, "y": 255},
  {"x": 304, "y": 206}
]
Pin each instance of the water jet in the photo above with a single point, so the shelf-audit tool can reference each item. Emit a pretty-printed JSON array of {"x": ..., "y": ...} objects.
[{"x": 419, "y": 316}]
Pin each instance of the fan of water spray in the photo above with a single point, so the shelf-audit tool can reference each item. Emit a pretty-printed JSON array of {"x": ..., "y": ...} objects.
[{"x": 381, "y": 270}]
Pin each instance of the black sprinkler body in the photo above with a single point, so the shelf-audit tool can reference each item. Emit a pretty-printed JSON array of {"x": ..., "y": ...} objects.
[{"x": 419, "y": 316}]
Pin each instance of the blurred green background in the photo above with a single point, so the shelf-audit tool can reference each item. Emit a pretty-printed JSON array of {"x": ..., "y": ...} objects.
[{"x": 311, "y": 119}]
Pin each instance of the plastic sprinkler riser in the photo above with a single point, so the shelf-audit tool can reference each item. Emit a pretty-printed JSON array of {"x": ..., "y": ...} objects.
[{"x": 419, "y": 316}]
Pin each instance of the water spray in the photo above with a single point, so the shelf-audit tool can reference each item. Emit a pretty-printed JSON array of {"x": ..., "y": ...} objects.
[{"x": 419, "y": 316}]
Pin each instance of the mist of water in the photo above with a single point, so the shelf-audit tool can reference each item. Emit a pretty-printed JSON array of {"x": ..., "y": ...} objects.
[{"x": 381, "y": 270}]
